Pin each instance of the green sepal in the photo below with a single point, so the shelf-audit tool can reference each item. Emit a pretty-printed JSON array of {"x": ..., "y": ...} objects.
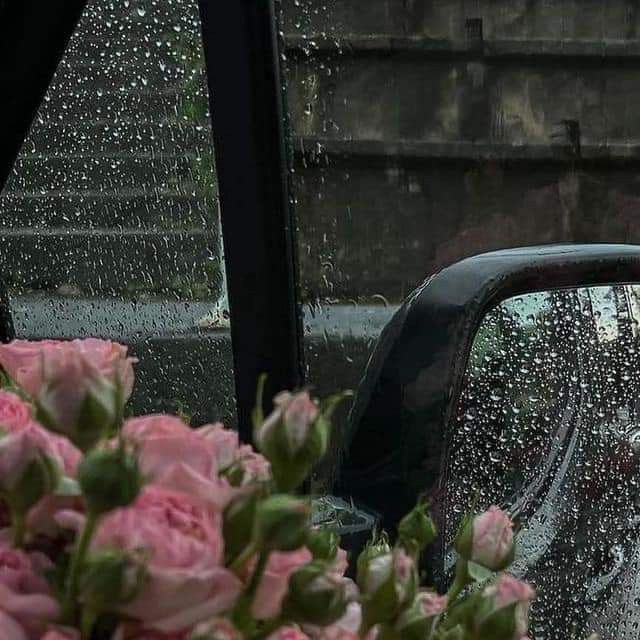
[
  {"x": 39, "y": 478},
  {"x": 238, "y": 525},
  {"x": 478, "y": 572},
  {"x": 315, "y": 597},
  {"x": 499, "y": 625},
  {"x": 281, "y": 523}
]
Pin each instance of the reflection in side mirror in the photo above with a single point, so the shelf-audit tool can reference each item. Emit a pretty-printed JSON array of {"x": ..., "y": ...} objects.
[{"x": 548, "y": 425}]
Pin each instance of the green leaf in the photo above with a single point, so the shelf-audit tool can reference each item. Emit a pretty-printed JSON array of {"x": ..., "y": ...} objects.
[
  {"x": 68, "y": 487},
  {"x": 330, "y": 404},
  {"x": 478, "y": 572},
  {"x": 257, "y": 415}
]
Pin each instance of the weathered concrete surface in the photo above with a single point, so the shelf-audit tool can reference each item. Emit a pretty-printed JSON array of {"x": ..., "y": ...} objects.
[
  {"x": 413, "y": 97},
  {"x": 372, "y": 229},
  {"x": 525, "y": 19},
  {"x": 427, "y": 131}
]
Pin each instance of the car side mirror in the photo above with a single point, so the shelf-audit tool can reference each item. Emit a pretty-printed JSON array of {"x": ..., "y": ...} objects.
[{"x": 512, "y": 378}]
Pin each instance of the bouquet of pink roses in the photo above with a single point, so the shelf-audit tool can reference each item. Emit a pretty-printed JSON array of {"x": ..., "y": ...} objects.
[{"x": 144, "y": 528}]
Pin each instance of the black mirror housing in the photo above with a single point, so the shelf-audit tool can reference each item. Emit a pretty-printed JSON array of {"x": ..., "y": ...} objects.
[{"x": 398, "y": 434}]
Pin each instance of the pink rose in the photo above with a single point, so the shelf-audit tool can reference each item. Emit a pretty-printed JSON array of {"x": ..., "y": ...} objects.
[
  {"x": 33, "y": 437},
  {"x": 288, "y": 633},
  {"x": 488, "y": 540},
  {"x": 396, "y": 566},
  {"x": 111, "y": 359},
  {"x": 10, "y": 629},
  {"x": 274, "y": 583},
  {"x": 178, "y": 457},
  {"x": 508, "y": 591},
  {"x": 73, "y": 383},
  {"x": 25, "y": 360},
  {"x": 25, "y": 603},
  {"x": 163, "y": 440},
  {"x": 61, "y": 634},
  {"x": 225, "y": 442},
  {"x": 181, "y": 539},
  {"x": 230, "y": 454},
  {"x": 14, "y": 412},
  {"x": 22, "y": 360},
  {"x": 422, "y": 616}
]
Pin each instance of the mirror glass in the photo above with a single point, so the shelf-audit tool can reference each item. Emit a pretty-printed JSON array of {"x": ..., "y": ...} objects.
[{"x": 547, "y": 426}]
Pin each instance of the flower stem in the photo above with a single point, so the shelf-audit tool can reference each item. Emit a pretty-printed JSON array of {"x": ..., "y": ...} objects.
[
  {"x": 244, "y": 557},
  {"x": 241, "y": 615},
  {"x": 87, "y": 621},
  {"x": 19, "y": 528},
  {"x": 77, "y": 560},
  {"x": 257, "y": 574},
  {"x": 268, "y": 628},
  {"x": 460, "y": 582}
]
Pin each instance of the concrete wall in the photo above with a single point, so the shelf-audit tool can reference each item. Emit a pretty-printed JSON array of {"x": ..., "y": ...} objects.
[{"x": 426, "y": 131}]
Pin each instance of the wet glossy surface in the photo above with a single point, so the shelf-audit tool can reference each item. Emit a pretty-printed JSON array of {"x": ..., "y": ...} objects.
[{"x": 548, "y": 425}]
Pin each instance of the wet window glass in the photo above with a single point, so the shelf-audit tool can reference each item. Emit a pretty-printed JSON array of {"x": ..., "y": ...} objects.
[
  {"x": 110, "y": 222},
  {"x": 547, "y": 426},
  {"x": 427, "y": 131}
]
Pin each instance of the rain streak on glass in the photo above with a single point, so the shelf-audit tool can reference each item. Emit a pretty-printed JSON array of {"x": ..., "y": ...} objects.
[
  {"x": 110, "y": 222},
  {"x": 548, "y": 426},
  {"x": 424, "y": 132}
]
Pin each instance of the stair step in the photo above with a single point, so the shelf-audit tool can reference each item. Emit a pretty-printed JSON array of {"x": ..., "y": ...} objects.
[
  {"x": 116, "y": 74},
  {"x": 107, "y": 136},
  {"x": 188, "y": 173},
  {"x": 130, "y": 104},
  {"x": 182, "y": 263},
  {"x": 141, "y": 209}
]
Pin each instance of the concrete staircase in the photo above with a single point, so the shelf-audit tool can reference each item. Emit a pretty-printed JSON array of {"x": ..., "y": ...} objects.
[{"x": 114, "y": 190}]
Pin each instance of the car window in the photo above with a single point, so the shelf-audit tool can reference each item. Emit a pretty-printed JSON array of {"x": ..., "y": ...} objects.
[{"x": 110, "y": 223}]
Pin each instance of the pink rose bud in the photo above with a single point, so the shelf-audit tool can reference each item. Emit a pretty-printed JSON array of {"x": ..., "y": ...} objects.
[
  {"x": 388, "y": 580},
  {"x": 27, "y": 472},
  {"x": 282, "y": 522},
  {"x": 79, "y": 386},
  {"x": 316, "y": 595},
  {"x": 293, "y": 438},
  {"x": 109, "y": 478},
  {"x": 420, "y": 619},
  {"x": 110, "y": 579},
  {"x": 487, "y": 540},
  {"x": 504, "y": 611},
  {"x": 417, "y": 530}
]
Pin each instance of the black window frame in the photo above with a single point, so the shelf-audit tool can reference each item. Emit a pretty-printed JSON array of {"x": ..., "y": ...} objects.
[{"x": 249, "y": 130}]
